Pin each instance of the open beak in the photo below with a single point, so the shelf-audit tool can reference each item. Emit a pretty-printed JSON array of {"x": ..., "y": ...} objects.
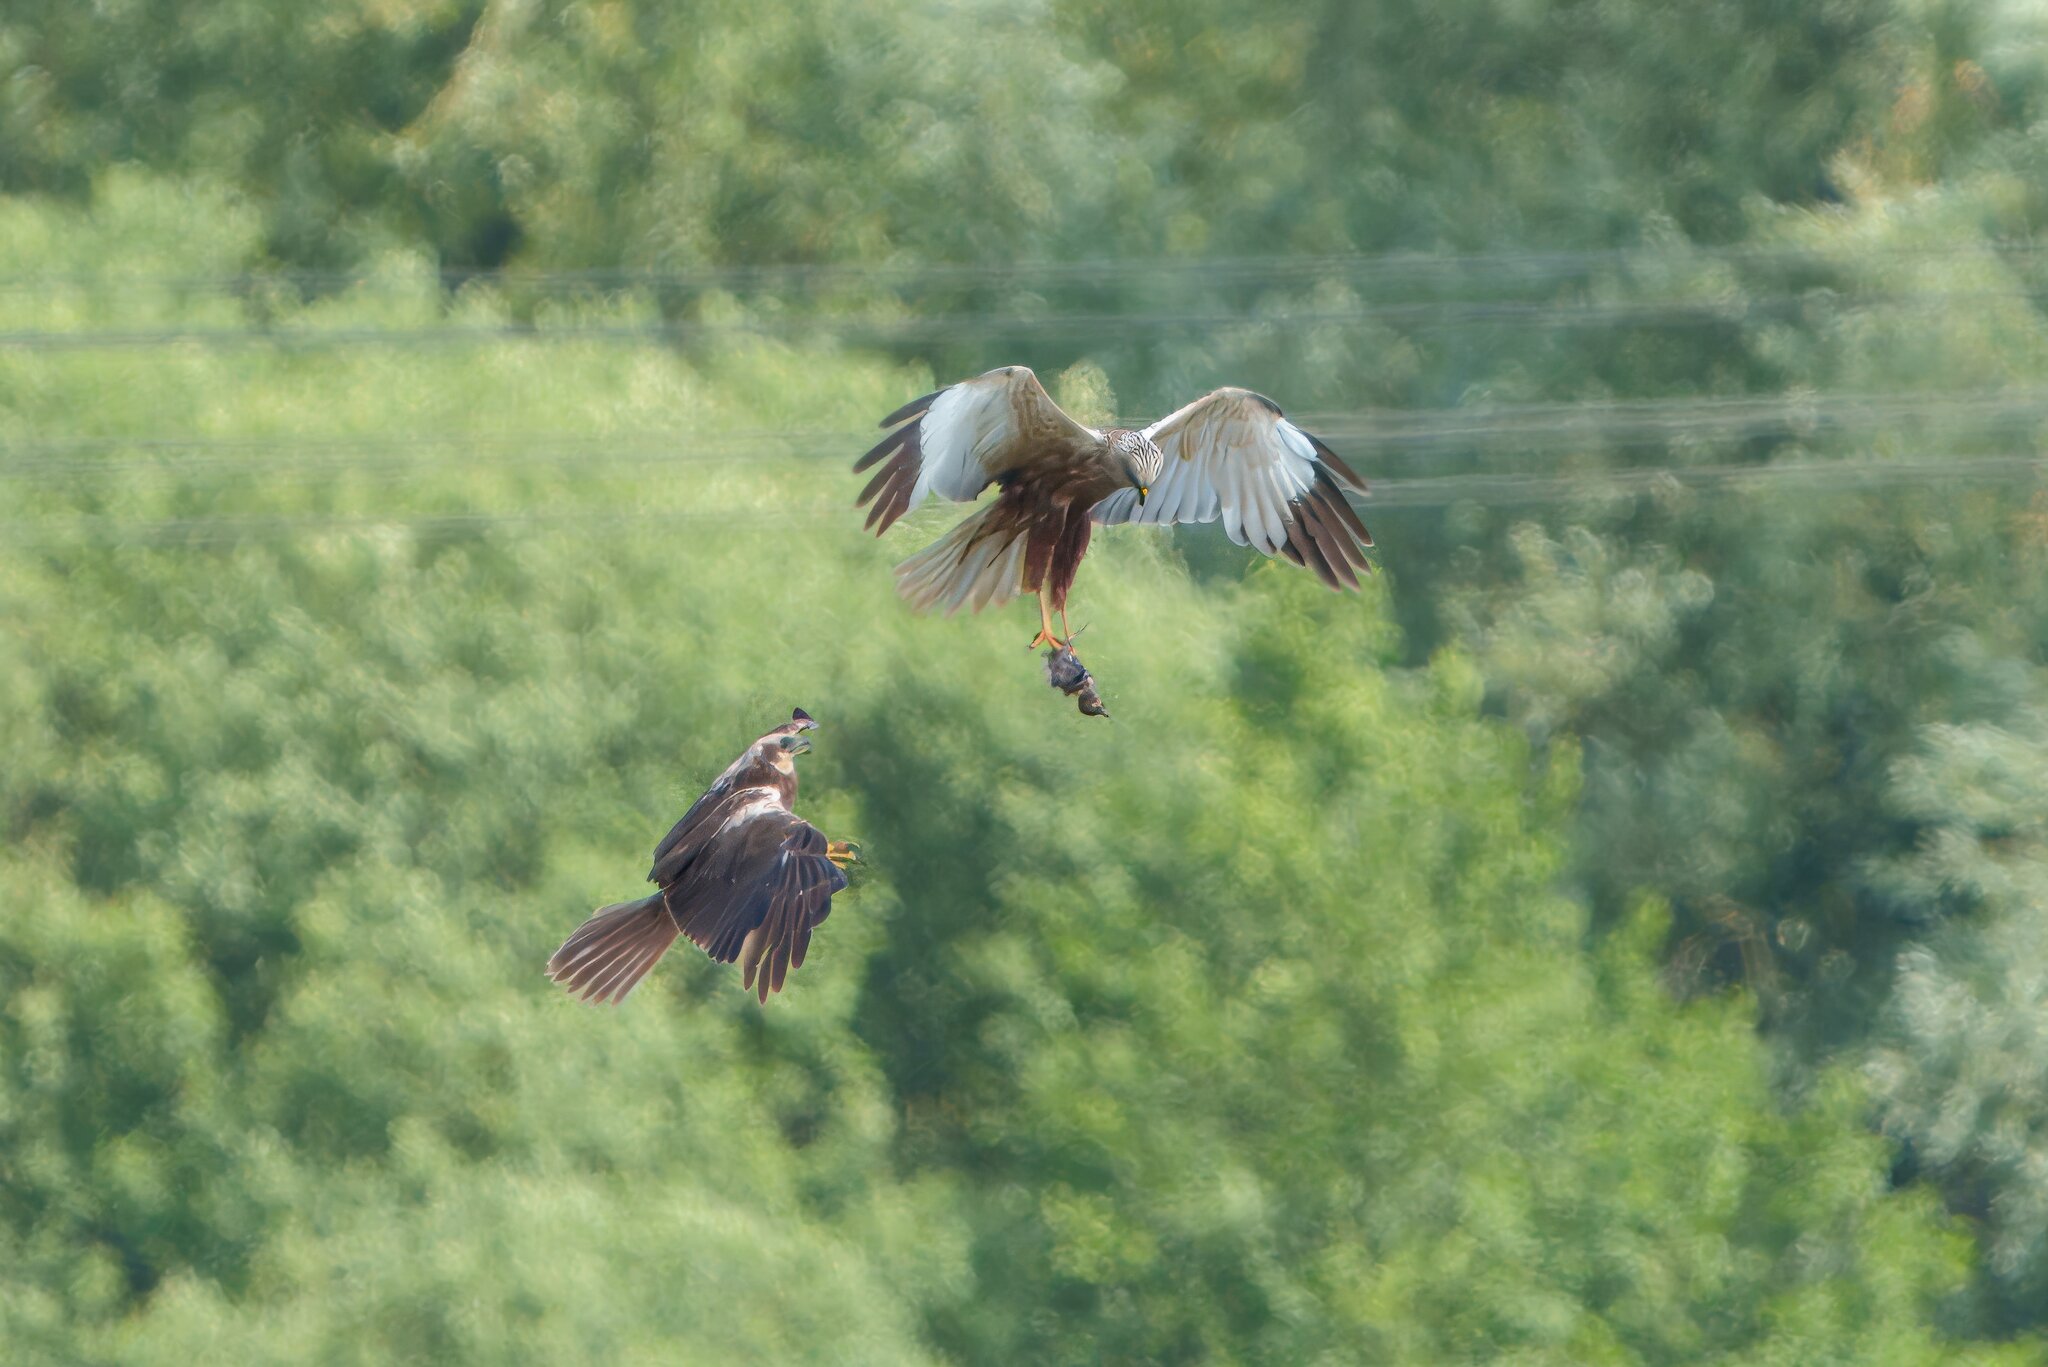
[{"x": 801, "y": 746}]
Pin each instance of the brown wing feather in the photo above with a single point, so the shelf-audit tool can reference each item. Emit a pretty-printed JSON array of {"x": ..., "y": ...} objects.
[
  {"x": 892, "y": 485},
  {"x": 746, "y": 780},
  {"x": 758, "y": 895},
  {"x": 910, "y": 410},
  {"x": 739, "y": 874},
  {"x": 959, "y": 440},
  {"x": 1351, "y": 478}
]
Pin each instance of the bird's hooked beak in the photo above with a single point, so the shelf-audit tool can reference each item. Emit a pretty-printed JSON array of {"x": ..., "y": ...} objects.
[
  {"x": 798, "y": 744},
  {"x": 1143, "y": 489}
]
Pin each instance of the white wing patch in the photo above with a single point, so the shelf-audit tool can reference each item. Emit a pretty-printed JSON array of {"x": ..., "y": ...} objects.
[
  {"x": 1230, "y": 455},
  {"x": 957, "y": 432},
  {"x": 1223, "y": 461},
  {"x": 963, "y": 438}
]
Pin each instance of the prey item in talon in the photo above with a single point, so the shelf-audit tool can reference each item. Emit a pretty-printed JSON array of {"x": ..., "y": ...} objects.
[
  {"x": 1231, "y": 456},
  {"x": 1064, "y": 671}
]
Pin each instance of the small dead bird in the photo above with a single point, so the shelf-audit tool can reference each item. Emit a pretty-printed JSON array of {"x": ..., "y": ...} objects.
[{"x": 1064, "y": 671}]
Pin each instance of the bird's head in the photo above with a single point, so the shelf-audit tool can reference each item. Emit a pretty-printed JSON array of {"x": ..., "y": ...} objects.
[
  {"x": 781, "y": 746},
  {"x": 1138, "y": 460}
]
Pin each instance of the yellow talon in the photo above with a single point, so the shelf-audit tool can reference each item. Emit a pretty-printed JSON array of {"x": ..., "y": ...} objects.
[{"x": 1045, "y": 636}]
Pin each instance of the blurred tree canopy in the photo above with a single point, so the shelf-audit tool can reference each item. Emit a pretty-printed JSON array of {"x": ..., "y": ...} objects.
[
  {"x": 586, "y": 134},
  {"x": 1616, "y": 938}
]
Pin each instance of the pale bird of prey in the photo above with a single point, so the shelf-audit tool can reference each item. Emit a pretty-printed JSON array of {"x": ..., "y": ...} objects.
[
  {"x": 741, "y": 874},
  {"x": 1230, "y": 455}
]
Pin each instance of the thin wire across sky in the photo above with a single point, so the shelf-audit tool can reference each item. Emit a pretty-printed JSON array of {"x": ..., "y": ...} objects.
[
  {"x": 741, "y": 520},
  {"x": 1394, "y": 267},
  {"x": 1902, "y": 439},
  {"x": 1521, "y": 428}
]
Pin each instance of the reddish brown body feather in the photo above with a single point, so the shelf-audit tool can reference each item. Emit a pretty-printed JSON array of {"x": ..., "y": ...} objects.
[
  {"x": 1054, "y": 473},
  {"x": 1052, "y": 504},
  {"x": 1047, "y": 495}
]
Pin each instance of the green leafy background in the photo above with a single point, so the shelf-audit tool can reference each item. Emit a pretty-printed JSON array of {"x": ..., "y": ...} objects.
[{"x": 1615, "y": 936}]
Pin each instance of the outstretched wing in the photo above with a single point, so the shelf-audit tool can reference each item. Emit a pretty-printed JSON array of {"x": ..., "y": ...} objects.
[
  {"x": 1233, "y": 454},
  {"x": 757, "y": 889},
  {"x": 959, "y": 440}
]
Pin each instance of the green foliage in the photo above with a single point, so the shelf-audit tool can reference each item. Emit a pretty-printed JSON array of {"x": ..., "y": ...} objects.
[
  {"x": 1962, "y": 1075},
  {"x": 366, "y": 613},
  {"x": 640, "y": 134},
  {"x": 1750, "y": 667},
  {"x": 1807, "y": 717},
  {"x": 1253, "y": 1026},
  {"x": 1327, "y": 1074}
]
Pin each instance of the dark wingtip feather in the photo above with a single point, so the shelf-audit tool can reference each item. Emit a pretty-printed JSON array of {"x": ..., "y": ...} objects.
[
  {"x": 914, "y": 408},
  {"x": 1335, "y": 464},
  {"x": 890, "y": 490},
  {"x": 876, "y": 485},
  {"x": 1334, "y": 496},
  {"x": 1319, "y": 527},
  {"x": 892, "y": 485},
  {"x": 800, "y": 715},
  {"x": 880, "y": 449},
  {"x": 1336, "y": 565},
  {"x": 1302, "y": 548}
]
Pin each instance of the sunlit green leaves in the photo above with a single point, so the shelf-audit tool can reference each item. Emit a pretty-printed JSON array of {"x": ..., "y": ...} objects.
[{"x": 1260, "y": 1024}]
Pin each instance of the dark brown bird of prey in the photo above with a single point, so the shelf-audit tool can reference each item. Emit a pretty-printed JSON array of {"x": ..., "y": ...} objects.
[
  {"x": 741, "y": 874},
  {"x": 1231, "y": 455}
]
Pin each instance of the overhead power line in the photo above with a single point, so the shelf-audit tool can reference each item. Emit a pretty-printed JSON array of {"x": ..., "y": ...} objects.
[
  {"x": 1809, "y": 477},
  {"x": 1368, "y": 434},
  {"x": 1816, "y": 476},
  {"x": 1808, "y": 306},
  {"x": 1235, "y": 269}
]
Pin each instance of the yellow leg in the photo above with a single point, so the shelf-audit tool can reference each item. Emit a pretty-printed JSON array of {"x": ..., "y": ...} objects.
[
  {"x": 1063, "y": 622},
  {"x": 1044, "y": 636}
]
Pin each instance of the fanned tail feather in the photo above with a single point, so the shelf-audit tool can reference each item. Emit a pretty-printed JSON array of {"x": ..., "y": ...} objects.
[
  {"x": 611, "y": 952},
  {"x": 980, "y": 563}
]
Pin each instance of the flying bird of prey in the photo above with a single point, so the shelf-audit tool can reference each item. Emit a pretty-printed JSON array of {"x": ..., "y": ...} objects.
[
  {"x": 1231, "y": 455},
  {"x": 741, "y": 874}
]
